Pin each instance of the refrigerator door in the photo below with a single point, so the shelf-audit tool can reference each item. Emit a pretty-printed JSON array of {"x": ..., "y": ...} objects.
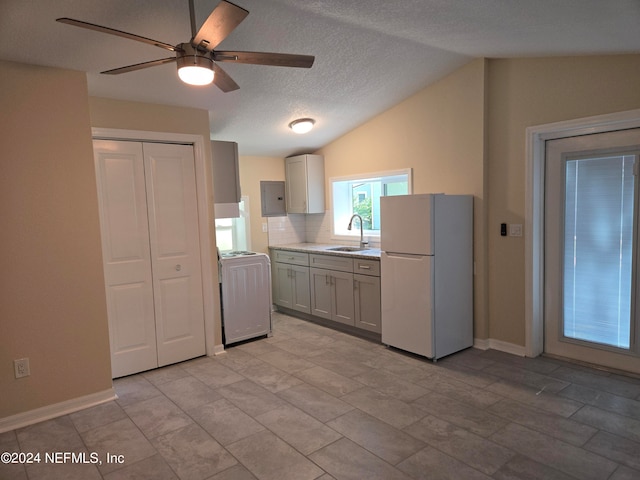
[
  {"x": 407, "y": 302},
  {"x": 405, "y": 224}
]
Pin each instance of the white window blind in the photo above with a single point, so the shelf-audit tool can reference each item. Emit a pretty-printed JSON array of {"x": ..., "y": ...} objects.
[{"x": 598, "y": 249}]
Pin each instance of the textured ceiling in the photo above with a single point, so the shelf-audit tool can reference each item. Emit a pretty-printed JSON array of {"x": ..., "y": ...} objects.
[{"x": 369, "y": 54}]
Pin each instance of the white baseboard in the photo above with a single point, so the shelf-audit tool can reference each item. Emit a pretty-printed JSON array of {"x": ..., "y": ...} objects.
[
  {"x": 491, "y": 343},
  {"x": 56, "y": 410},
  {"x": 218, "y": 350},
  {"x": 481, "y": 343}
]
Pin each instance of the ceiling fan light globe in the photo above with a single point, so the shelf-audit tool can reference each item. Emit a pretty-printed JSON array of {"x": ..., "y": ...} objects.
[
  {"x": 302, "y": 125},
  {"x": 194, "y": 75},
  {"x": 195, "y": 69}
]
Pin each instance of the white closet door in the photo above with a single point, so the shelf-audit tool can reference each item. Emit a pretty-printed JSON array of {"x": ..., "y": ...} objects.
[
  {"x": 126, "y": 256},
  {"x": 175, "y": 251}
]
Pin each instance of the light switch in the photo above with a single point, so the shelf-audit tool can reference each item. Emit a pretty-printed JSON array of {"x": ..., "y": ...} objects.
[{"x": 515, "y": 230}]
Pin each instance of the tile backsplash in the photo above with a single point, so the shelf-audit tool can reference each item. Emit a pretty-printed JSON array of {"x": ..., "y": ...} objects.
[
  {"x": 312, "y": 228},
  {"x": 300, "y": 228}
]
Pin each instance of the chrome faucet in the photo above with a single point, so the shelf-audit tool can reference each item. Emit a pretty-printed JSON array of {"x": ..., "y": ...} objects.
[{"x": 363, "y": 244}]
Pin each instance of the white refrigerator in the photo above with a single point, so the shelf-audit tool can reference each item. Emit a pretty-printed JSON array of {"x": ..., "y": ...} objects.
[{"x": 426, "y": 273}]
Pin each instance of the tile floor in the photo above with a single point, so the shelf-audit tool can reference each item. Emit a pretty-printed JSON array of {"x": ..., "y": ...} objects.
[{"x": 311, "y": 403}]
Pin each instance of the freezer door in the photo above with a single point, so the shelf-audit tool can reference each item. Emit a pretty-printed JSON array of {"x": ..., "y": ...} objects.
[
  {"x": 407, "y": 302},
  {"x": 405, "y": 224}
]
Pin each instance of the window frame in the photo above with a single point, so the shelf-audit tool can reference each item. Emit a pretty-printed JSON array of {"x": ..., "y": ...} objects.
[{"x": 374, "y": 235}]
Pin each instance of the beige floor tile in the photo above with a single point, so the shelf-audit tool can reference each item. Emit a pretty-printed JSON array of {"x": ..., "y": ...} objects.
[{"x": 270, "y": 458}]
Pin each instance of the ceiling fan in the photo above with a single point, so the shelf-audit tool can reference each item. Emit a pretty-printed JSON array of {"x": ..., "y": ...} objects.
[{"x": 197, "y": 59}]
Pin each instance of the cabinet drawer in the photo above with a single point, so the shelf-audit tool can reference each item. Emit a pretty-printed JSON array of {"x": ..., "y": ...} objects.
[
  {"x": 366, "y": 267},
  {"x": 293, "y": 258},
  {"x": 331, "y": 262}
]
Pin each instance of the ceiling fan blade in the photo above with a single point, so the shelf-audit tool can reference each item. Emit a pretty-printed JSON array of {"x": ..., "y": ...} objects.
[
  {"x": 139, "y": 66},
  {"x": 264, "y": 58},
  {"x": 223, "y": 19},
  {"x": 223, "y": 81},
  {"x": 119, "y": 33}
]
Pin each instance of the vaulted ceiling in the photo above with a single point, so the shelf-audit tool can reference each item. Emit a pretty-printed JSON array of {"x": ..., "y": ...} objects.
[{"x": 369, "y": 55}]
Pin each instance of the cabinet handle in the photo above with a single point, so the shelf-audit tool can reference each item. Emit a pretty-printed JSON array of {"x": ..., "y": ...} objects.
[
  {"x": 364, "y": 267},
  {"x": 355, "y": 284},
  {"x": 178, "y": 267},
  {"x": 326, "y": 280}
]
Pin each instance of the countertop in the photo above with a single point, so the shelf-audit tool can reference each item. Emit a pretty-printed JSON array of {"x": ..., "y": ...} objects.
[{"x": 324, "y": 249}]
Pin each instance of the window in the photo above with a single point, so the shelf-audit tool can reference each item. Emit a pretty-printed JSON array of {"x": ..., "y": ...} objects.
[
  {"x": 233, "y": 233},
  {"x": 598, "y": 249},
  {"x": 361, "y": 195}
]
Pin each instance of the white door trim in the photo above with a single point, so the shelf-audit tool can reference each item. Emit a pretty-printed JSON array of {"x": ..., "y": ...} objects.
[
  {"x": 536, "y": 136},
  {"x": 204, "y": 213}
]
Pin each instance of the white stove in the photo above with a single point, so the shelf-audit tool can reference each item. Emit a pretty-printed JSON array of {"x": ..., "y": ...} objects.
[
  {"x": 236, "y": 253},
  {"x": 245, "y": 285}
]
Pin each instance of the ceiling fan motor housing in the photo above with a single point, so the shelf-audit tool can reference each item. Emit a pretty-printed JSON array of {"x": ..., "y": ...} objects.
[{"x": 189, "y": 56}]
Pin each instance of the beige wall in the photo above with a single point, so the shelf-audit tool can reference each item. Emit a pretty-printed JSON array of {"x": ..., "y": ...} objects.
[
  {"x": 52, "y": 303},
  {"x": 523, "y": 93},
  {"x": 52, "y": 297},
  {"x": 252, "y": 171},
  {"x": 439, "y": 132},
  {"x": 109, "y": 113}
]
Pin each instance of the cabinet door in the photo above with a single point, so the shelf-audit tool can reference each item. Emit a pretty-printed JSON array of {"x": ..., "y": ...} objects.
[
  {"x": 367, "y": 302},
  {"x": 283, "y": 293},
  {"x": 296, "y": 184},
  {"x": 226, "y": 178},
  {"x": 321, "y": 303},
  {"x": 301, "y": 293},
  {"x": 342, "y": 297}
]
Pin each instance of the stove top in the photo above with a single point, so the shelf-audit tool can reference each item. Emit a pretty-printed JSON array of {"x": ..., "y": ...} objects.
[{"x": 236, "y": 253}]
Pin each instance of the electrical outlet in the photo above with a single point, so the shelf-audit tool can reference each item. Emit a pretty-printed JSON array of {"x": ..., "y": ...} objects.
[
  {"x": 265, "y": 227},
  {"x": 515, "y": 230},
  {"x": 21, "y": 367}
]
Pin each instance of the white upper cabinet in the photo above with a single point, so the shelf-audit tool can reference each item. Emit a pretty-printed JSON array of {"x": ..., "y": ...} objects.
[{"x": 305, "y": 184}]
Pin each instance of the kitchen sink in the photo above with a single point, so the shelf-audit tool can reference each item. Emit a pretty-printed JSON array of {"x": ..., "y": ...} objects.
[{"x": 347, "y": 249}]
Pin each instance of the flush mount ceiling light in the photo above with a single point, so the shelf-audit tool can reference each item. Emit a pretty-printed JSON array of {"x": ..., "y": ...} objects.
[
  {"x": 194, "y": 68},
  {"x": 302, "y": 125}
]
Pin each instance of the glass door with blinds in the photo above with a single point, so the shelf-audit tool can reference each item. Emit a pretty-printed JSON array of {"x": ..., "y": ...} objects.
[{"x": 591, "y": 246}]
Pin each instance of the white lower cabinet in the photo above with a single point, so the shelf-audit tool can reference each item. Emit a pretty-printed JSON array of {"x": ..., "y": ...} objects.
[
  {"x": 367, "y": 302},
  {"x": 290, "y": 280},
  {"x": 332, "y": 295},
  {"x": 338, "y": 288},
  {"x": 291, "y": 286}
]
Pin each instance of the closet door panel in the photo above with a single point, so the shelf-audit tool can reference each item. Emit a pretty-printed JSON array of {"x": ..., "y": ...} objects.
[
  {"x": 175, "y": 251},
  {"x": 126, "y": 256}
]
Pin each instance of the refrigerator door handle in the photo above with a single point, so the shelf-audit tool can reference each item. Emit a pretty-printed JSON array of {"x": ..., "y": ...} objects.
[{"x": 405, "y": 255}]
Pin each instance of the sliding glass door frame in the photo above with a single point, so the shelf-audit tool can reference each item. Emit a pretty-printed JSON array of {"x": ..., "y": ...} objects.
[{"x": 569, "y": 149}]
